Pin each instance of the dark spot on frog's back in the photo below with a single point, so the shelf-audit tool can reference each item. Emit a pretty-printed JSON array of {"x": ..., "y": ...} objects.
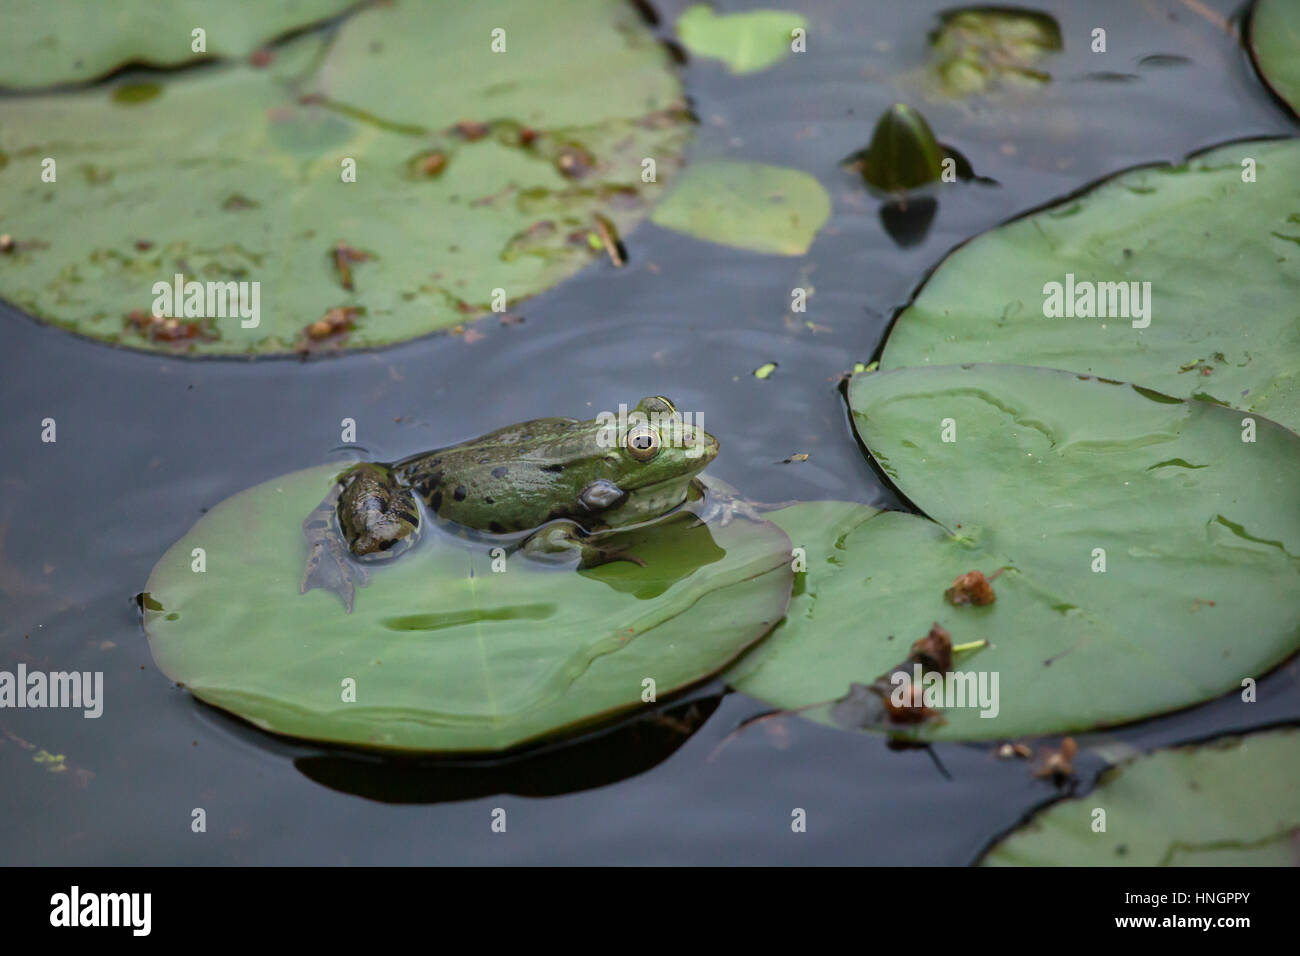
[
  {"x": 436, "y": 501},
  {"x": 460, "y": 493},
  {"x": 557, "y": 467},
  {"x": 499, "y": 471},
  {"x": 495, "y": 528}
]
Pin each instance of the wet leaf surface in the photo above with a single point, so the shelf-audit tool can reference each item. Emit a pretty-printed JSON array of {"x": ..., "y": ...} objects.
[
  {"x": 446, "y": 653},
  {"x": 535, "y": 153},
  {"x": 1050, "y": 475},
  {"x": 1221, "y": 256},
  {"x": 1227, "y": 803}
]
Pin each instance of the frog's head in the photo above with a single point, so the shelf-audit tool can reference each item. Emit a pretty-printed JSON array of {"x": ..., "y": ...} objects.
[
  {"x": 659, "y": 445},
  {"x": 654, "y": 455}
]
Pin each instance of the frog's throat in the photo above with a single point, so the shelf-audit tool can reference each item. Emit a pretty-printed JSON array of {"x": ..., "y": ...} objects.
[{"x": 648, "y": 502}]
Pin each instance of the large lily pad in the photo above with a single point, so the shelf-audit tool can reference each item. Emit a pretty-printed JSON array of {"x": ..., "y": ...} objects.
[
  {"x": 68, "y": 41},
  {"x": 1200, "y": 533},
  {"x": 1228, "y": 803},
  {"x": 747, "y": 42},
  {"x": 1275, "y": 43},
  {"x": 1221, "y": 256},
  {"x": 448, "y": 654},
  {"x": 499, "y": 181},
  {"x": 771, "y": 209}
]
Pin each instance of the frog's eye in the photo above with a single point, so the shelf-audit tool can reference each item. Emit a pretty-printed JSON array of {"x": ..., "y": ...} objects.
[{"x": 642, "y": 442}]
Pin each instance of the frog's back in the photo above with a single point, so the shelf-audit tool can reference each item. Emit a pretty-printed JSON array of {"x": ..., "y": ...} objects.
[{"x": 512, "y": 479}]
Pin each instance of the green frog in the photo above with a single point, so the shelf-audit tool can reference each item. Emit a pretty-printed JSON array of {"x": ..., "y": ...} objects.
[{"x": 553, "y": 488}]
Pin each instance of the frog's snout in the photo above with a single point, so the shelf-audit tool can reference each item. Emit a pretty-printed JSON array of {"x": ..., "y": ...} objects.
[{"x": 702, "y": 446}]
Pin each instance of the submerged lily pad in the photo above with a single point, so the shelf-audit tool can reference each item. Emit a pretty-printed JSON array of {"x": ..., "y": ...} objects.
[
  {"x": 477, "y": 197},
  {"x": 747, "y": 42},
  {"x": 1227, "y": 803},
  {"x": 448, "y": 654},
  {"x": 977, "y": 49},
  {"x": 1275, "y": 43},
  {"x": 69, "y": 41},
  {"x": 1221, "y": 256},
  {"x": 1051, "y": 478},
  {"x": 754, "y": 206}
]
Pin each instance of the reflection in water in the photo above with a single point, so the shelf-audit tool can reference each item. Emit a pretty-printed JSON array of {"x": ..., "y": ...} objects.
[
  {"x": 908, "y": 220},
  {"x": 625, "y": 750}
]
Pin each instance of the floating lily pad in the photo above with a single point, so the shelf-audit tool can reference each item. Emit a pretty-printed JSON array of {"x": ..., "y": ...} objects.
[
  {"x": 1275, "y": 43},
  {"x": 46, "y": 42},
  {"x": 1049, "y": 473},
  {"x": 497, "y": 182},
  {"x": 1222, "y": 257},
  {"x": 978, "y": 49},
  {"x": 446, "y": 653},
  {"x": 754, "y": 206},
  {"x": 1228, "y": 803},
  {"x": 746, "y": 42}
]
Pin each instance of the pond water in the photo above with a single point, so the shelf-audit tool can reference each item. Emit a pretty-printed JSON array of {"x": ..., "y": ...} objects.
[{"x": 147, "y": 443}]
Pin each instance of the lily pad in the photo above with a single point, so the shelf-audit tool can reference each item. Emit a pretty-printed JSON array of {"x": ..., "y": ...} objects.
[
  {"x": 448, "y": 654},
  {"x": 477, "y": 197},
  {"x": 979, "y": 49},
  {"x": 746, "y": 42},
  {"x": 1050, "y": 474},
  {"x": 772, "y": 209},
  {"x": 1275, "y": 44},
  {"x": 68, "y": 41},
  {"x": 1221, "y": 256},
  {"x": 1227, "y": 803}
]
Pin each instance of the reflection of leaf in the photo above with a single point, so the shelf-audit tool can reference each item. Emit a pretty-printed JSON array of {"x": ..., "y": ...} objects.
[
  {"x": 769, "y": 209},
  {"x": 1049, "y": 476},
  {"x": 977, "y": 49},
  {"x": 1223, "y": 285},
  {"x": 534, "y": 146},
  {"x": 447, "y": 653},
  {"x": 1227, "y": 803},
  {"x": 69, "y": 41},
  {"x": 1275, "y": 43},
  {"x": 746, "y": 42}
]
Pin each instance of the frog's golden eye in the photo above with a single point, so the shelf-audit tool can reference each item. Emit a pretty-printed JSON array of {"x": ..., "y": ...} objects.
[{"x": 642, "y": 442}]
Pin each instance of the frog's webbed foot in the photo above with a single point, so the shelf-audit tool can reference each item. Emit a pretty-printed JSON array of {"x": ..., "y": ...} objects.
[
  {"x": 564, "y": 540},
  {"x": 328, "y": 564},
  {"x": 723, "y": 503},
  {"x": 375, "y": 515}
]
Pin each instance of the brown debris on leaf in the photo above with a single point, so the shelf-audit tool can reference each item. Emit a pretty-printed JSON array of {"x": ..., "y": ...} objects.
[
  {"x": 911, "y": 709},
  {"x": 429, "y": 165},
  {"x": 971, "y": 588},
  {"x": 330, "y": 328},
  {"x": 344, "y": 255},
  {"x": 161, "y": 328},
  {"x": 1058, "y": 765},
  {"x": 607, "y": 232},
  {"x": 934, "y": 651},
  {"x": 574, "y": 161},
  {"x": 471, "y": 131}
]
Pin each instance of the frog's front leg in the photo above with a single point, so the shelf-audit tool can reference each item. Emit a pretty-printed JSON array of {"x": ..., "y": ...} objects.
[
  {"x": 565, "y": 539},
  {"x": 378, "y": 518},
  {"x": 723, "y": 503}
]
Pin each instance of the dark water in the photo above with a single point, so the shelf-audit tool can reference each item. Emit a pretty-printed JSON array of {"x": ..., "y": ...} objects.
[{"x": 147, "y": 443}]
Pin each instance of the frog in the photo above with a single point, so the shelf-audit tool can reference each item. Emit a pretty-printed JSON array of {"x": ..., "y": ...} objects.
[{"x": 555, "y": 489}]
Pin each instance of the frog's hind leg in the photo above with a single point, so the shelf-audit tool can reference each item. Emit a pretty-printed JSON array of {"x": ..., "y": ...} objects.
[{"x": 377, "y": 517}]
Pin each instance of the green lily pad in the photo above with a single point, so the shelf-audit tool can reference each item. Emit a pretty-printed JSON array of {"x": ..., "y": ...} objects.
[
  {"x": 1227, "y": 803},
  {"x": 1275, "y": 43},
  {"x": 448, "y": 654},
  {"x": 978, "y": 49},
  {"x": 68, "y": 41},
  {"x": 754, "y": 206},
  {"x": 746, "y": 42},
  {"x": 1199, "y": 531},
  {"x": 1222, "y": 257},
  {"x": 468, "y": 200}
]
